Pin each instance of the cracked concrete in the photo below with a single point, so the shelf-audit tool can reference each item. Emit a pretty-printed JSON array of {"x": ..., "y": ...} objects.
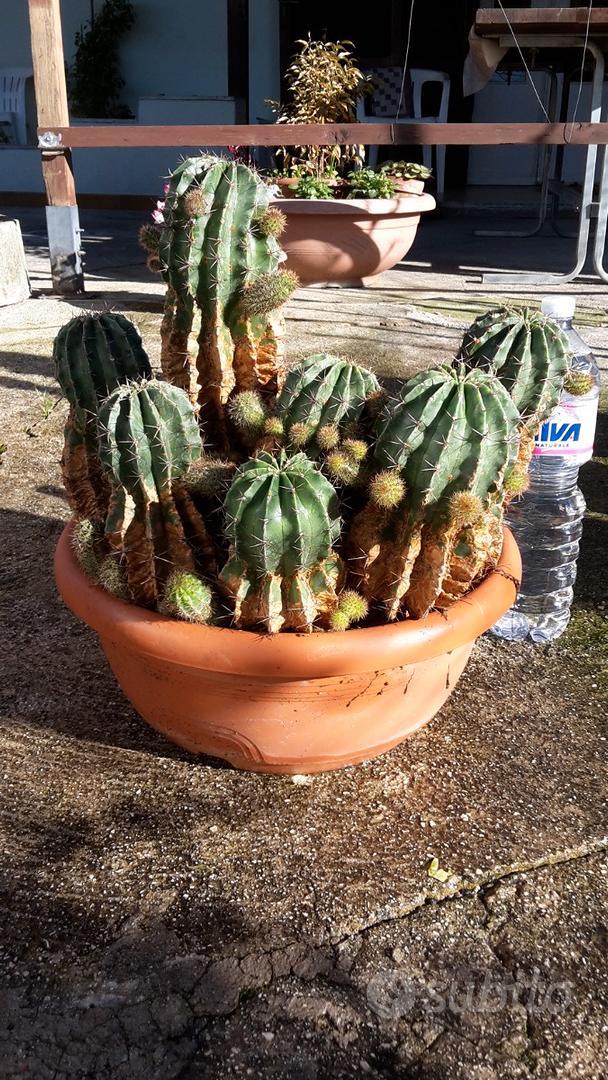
[{"x": 164, "y": 917}]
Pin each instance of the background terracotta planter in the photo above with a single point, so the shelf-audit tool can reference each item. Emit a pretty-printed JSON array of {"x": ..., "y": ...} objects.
[
  {"x": 414, "y": 187},
  {"x": 349, "y": 240},
  {"x": 288, "y": 703}
]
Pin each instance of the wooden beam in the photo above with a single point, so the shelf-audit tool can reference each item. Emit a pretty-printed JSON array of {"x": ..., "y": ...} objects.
[
  {"x": 221, "y": 135},
  {"x": 52, "y": 107},
  {"x": 565, "y": 20}
]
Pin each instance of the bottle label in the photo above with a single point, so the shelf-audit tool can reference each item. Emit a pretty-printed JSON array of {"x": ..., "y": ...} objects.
[{"x": 570, "y": 430}]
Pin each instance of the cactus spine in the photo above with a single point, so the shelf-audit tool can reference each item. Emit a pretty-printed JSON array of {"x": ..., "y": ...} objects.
[
  {"x": 281, "y": 521},
  {"x": 148, "y": 438},
  {"x": 450, "y": 436},
  {"x": 92, "y": 355},
  {"x": 527, "y": 351},
  {"x": 222, "y": 330}
]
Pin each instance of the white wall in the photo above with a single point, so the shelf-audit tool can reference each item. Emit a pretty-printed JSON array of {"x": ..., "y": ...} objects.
[
  {"x": 174, "y": 48},
  {"x": 503, "y": 102}
]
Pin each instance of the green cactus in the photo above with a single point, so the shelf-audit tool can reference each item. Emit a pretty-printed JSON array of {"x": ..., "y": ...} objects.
[
  {"x": 149, "y": 238},
  {"x": 247, "y": 412},
  {"x": 578, "y": 383},
  {"x": 323, "y": 393},
  {"x": 449, "y": 437},
  {"x": 281, "y": 522},
  {"x": 527, "y": 351},
  {"x": 85, "y": 536},
  {"x": 351, "y": 608},
  {"x": 222, "y": 330},
  {"x": 101, "y": 567},
  {"x": 186, "y": 597},
  {"x": 148, "y": 438},
  {"x": 92, "y": 354},
  {"x": 209, "y": 478}
]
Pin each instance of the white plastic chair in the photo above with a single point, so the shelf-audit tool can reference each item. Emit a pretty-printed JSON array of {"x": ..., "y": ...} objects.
[
  {"x": 385, "y": 101},
  {"x": 12, "y": 101}
]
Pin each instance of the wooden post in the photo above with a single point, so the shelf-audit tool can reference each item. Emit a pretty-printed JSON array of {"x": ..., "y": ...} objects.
[{"x": 52, "y": 105}]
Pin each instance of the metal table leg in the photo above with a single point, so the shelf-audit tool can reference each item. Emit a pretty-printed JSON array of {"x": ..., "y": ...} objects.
[
  {"x": 602, "y": 220},
  {"x": 522, "y": 278}
]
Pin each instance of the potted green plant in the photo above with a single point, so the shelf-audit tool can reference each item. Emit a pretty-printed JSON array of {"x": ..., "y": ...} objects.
[
  {"x": 286, "y": 569},
  {"x": 406, "y": 175},
  {"x": 356, "y": 236}
]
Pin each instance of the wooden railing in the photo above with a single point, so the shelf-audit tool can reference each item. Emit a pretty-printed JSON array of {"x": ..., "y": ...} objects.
[{"x": 381, "y": 134}]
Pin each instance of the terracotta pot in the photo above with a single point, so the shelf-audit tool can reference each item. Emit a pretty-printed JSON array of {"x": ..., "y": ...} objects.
[
  {"x": 414, "y": 187},
  {"x": 349, "y": 240},
  {"x": 287, "y": 703}
]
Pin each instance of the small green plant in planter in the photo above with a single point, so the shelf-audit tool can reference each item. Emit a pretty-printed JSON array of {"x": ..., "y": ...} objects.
[
  {"x": 405, "y": 170},
  {"x": 367, "y": 184},
  {"x": 310, "y": 187}
]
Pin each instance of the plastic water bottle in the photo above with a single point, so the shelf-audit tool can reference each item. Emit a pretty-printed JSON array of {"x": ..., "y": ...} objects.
[{"x": 547, "y": 520}]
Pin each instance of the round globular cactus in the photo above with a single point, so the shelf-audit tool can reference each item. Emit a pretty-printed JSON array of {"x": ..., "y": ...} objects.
[
  {"x": 527, "y": 351},
  {"x": 387, "y": 489},
  {"x": 248, "y": 413},
  {"x": 352, "y": 607},
  {"x": 450, "y": 437},
  {"x": 342, "y": 468},
  {"x": 269, "y": 291},
  {"x": 149, "y": 238},
  {"x": 270, "y": 222},
  {"x": 274, "y": 427},
  {"x": 328, "y": 437},
  {"x": 578, "y": 383},
  {"x": 324, "y": 392},
  {"x": 516, "y": 483},
  {"x": 209, "y": 478},
  {"x": 186, "y": 597},
  {"x": 148, "y": 439},
  {"x": 112, "y": 576},
  {"x": 281, "y": 522},
  {"x": 85, "y": 535},
  {"x": 92, "y": 354}
]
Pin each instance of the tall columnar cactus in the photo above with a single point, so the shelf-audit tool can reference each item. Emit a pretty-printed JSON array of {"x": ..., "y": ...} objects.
[
  {"x": 93, "y": 354},
  {"x": 148, "y": 438},
  {"x": 281, "y": 521},
  {"x": 528, "y": 352},
  {"x": 432, "y": 524},
  {"x": 222, "y": 329}
]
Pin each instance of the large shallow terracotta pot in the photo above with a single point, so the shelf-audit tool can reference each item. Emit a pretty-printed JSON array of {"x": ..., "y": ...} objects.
[
  {"x": 288, "y": 703},
  {"x": 349, "y": 240}
]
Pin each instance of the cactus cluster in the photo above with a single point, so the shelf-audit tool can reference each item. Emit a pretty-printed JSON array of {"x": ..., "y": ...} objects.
[
  {"x": 319, "y": 501},
  {"x": 218, "y": 251}
]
